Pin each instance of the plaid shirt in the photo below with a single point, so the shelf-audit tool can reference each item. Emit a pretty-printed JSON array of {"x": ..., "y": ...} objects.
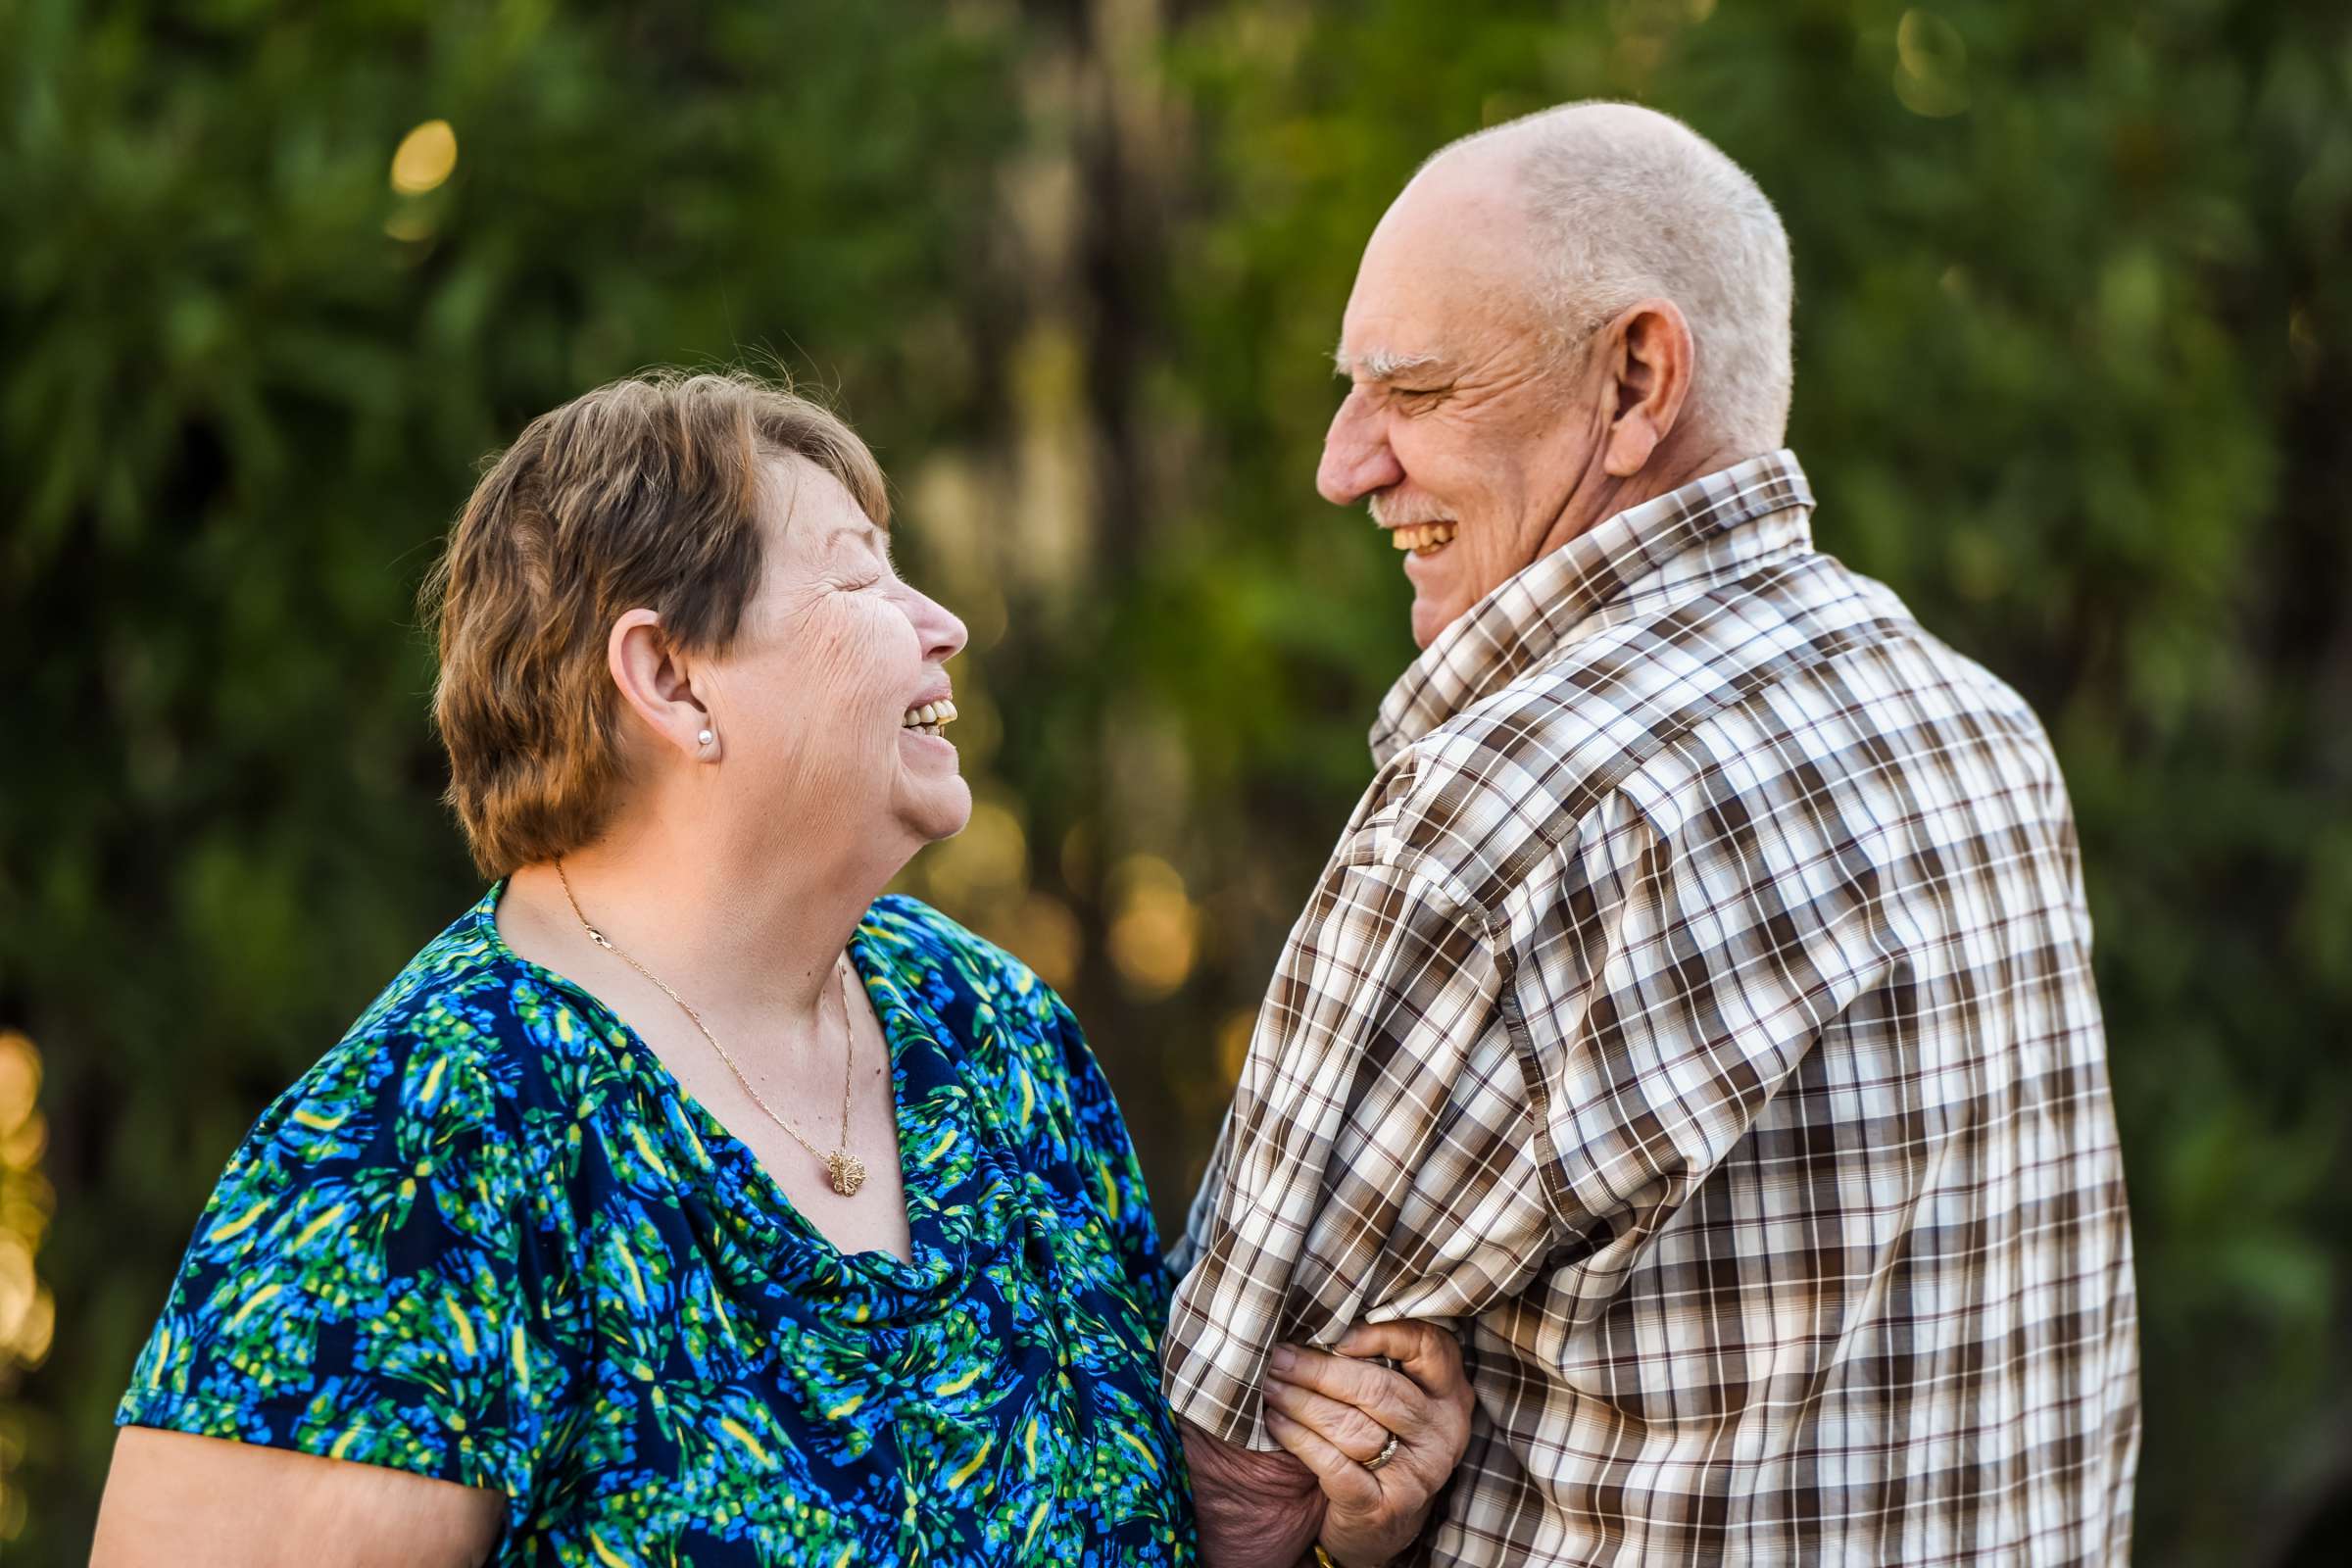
[{"x": 1698, "y": 1011}]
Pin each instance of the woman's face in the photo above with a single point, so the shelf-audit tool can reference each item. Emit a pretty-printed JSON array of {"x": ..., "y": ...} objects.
[{"x": 833, "y": 653}]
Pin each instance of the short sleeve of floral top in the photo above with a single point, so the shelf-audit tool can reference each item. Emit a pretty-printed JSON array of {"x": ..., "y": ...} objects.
[{"x": 490, "y": 1239}]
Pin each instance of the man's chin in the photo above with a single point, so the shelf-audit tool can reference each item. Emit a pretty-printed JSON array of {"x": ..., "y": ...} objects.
[{"x": 1430, "y": 618}]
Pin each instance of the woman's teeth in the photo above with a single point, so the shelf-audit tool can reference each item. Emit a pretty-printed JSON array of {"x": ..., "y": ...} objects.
[
  {"x": 931, "y": 717},
  {"x": 1422, "y": 538}
]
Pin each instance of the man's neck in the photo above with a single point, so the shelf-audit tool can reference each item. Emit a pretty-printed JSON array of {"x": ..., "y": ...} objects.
[{"x": 1599, "y": 495}]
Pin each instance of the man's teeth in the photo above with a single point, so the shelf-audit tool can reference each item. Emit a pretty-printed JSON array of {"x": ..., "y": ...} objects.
[
  {"x": 931, "y": 717},
  {"x": 1421, "y": 538}
]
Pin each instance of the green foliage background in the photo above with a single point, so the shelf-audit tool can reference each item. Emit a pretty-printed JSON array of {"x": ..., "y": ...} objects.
[{"x": 2075, "y": 346}]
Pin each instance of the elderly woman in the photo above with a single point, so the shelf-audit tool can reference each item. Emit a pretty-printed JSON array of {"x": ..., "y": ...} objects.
[{"x": 686, "y": 1200}]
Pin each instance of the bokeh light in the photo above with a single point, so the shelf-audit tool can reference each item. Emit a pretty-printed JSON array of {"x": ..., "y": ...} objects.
[
  {"x": 425, "y": 159},
  {"x": 1930, "y": 66},
  {"x": 27, "y": 1312},
  {"x": 1233, "y": 1045},
  {"x": 1155, "y": 927},
  {"x": 986, "y": 863}
]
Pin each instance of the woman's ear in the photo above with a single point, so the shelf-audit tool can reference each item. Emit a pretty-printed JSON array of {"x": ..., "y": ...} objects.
[
  {"x": 657, "y": 683},
  {"x": 1651, "y": 356}
]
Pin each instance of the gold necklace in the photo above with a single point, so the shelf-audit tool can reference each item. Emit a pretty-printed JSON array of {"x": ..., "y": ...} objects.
[{"x": 845, "y": 1170}]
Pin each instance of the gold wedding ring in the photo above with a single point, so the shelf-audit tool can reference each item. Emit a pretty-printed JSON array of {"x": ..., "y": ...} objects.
[{"x": 1388, "y": 1452}]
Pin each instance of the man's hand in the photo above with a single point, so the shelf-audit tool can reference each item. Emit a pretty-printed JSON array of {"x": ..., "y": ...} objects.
[{"x": 1338, "y": 1416}]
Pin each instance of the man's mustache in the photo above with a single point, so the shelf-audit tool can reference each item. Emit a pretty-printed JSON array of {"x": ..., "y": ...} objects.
[{"x": 1391, "y": 513}]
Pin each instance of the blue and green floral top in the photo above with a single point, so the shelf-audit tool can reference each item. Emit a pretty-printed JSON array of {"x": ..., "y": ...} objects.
[{"x": 490, "y": 1239}]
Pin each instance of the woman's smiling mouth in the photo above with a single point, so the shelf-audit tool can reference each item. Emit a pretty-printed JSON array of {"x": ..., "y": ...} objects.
[{"x": 929, "y": 718}]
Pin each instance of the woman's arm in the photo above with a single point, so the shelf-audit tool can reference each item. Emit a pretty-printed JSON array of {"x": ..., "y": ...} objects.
[
  {"x": 193, "y": 1501},
  {"x": 1369, "y": 1450},
  {"x": 1253, "y": 1510}
]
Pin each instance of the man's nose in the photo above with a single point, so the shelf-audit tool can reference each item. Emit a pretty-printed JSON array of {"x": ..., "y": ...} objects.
[{"x": 1357, "y": 459}]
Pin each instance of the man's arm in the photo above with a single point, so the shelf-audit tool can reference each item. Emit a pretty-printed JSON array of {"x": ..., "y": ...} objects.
[
  {"x": 1376, "y": 1163},
  {"x": 1252, "y": 1508},
  {"x": 1387, "y": 964}
]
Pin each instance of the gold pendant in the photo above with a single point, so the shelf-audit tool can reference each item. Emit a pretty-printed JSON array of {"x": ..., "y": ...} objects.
[{"x": 847, "y": 1170}]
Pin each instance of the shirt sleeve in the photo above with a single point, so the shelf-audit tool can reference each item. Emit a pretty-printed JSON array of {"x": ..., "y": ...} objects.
[
  {"x": 1435, "y": 1110},
  {"x": 1378, "y": 1162},
  {"x": 353, "y": 1286}
]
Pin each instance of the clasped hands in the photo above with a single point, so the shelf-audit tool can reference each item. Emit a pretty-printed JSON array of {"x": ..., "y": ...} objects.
[{"x": 1339, "y": 1414}]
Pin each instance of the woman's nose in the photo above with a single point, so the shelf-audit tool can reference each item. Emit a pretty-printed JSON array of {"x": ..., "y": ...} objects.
[
  {"x": 1356, "y": 459},
  {"x": 941, "y": 628}
]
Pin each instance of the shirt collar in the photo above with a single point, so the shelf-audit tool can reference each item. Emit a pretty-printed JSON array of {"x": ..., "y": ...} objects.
[{"x": 1711, "y": 530}]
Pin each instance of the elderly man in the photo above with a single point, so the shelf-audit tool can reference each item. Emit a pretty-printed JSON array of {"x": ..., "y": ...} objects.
[{"x": 1697, "y": 1010}]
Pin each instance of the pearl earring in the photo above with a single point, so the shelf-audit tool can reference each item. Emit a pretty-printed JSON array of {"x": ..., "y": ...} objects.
[{"x": 705, "y": 736}]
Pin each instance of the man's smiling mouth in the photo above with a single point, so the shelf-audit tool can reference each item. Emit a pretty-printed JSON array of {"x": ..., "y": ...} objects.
[{"x": 1423, "y": 538}]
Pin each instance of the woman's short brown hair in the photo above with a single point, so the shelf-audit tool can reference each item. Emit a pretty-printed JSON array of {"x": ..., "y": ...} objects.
[{"x": 644, "y": 492}]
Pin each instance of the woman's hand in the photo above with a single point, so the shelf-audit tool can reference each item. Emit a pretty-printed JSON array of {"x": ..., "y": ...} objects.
[{"x": 1336, "y": 1414}]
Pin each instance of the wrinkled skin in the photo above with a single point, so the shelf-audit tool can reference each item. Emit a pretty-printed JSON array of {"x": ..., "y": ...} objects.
[{"x": 1464, "y": 407}]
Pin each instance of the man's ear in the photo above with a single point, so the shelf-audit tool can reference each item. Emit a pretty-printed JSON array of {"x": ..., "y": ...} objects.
[{"x": 1648, "y": 355}]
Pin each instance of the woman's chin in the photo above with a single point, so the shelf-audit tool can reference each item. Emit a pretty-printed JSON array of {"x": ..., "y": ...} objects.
[{"x": 937, "y": 809}]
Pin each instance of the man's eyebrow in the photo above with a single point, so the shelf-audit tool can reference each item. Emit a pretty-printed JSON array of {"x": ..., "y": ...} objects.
[{"x": 1382, "y": 364}]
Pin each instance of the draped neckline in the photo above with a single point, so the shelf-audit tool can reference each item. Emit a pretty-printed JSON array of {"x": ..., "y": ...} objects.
[{"x": 960, "y": 1215}]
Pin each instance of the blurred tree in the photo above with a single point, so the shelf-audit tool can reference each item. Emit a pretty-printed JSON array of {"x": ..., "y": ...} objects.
[
  {"x": 252, "y": 362},
  {"x": 2073, "y": 334}
]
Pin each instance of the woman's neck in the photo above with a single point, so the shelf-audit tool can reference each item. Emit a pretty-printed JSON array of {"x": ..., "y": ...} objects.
[{"x": 738, "y": 930}]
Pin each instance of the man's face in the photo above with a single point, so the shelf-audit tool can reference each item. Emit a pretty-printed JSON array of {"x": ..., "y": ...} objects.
[{"x": 1458, "y": 415}]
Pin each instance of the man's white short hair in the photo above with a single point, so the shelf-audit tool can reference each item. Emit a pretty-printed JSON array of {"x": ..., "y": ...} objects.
[{"x": 1630, "y": 204}]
